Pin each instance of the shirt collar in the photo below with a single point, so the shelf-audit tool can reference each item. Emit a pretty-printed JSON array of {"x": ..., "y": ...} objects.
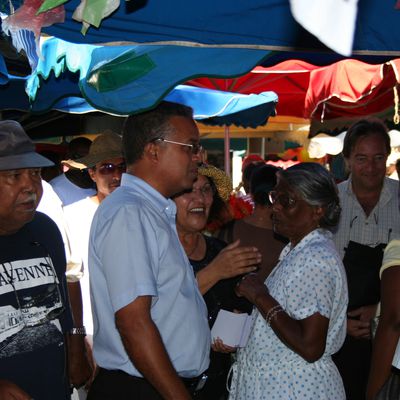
[
  {"x": 315, "y": 235},
  {"x": 348, "y": 187},
  {"x": 144, "y": 189},
  {"x": 384, "y": 197},
  {"x": 386, "y": 193}
]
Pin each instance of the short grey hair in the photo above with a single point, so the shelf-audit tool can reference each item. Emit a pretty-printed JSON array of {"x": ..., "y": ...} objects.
[{"x": 317, "y": 187}]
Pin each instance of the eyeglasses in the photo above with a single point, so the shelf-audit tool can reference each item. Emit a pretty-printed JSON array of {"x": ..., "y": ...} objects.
[
  {"x": 109, "y": 168},
  {"x": 41, "y": 307},
  {"x": 282, "y": 198},
  {"x": 207, "y": 190},
  {"x": 196, "y": 148}
]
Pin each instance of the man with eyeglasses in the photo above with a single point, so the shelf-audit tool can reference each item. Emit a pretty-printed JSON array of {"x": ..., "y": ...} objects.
[
  {"x": 369, "y": 220},
  {"x": 35, "y": 314},
  {"x": 151, "y": 335},
  {"x": 105, "y": 165}
]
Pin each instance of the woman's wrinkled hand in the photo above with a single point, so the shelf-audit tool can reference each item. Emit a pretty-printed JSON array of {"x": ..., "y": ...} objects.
[
  {"x": 251, "y": 287},
  {"x": 236, "y": 260}
]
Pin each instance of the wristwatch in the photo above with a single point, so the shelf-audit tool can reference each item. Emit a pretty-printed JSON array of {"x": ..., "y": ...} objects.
[{"x": 78, "y": 331}]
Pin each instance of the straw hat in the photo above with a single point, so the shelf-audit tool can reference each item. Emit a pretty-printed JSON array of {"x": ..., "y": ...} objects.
[
  {"x": 107, "y": 145},
  {"x": 221, "y": 180},
  {"x": 17, "y": 150}
]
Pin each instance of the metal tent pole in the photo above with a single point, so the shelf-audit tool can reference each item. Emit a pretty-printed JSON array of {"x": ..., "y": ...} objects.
[{"x": 227, "y": 143}]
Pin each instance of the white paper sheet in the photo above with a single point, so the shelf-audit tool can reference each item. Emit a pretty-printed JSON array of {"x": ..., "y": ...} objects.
[{"x": 232, "y": 328}]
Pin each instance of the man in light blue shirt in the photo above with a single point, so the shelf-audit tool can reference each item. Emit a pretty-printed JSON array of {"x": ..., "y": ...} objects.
[{"x": 151, "y": 336}]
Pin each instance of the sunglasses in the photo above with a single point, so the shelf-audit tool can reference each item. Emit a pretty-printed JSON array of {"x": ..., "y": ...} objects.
[
  {"x": 282, "y": 198},
  {"x": 110, "y": 168}
]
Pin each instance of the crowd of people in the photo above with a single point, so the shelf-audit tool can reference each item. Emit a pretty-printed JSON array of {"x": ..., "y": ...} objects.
[{"x": 111, "y": 281}]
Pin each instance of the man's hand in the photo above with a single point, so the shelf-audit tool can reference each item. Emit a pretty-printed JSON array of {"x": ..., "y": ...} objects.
[
  {"x": 359, "y": 323},
  {"x": 10, "y": 391},
  {"x": 80, "y": 370},
  {"x": 92, "y": 363},
  {"x": 134, "y": 323}
]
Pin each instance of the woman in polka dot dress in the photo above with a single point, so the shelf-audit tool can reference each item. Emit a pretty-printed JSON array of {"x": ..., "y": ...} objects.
[{"x": 301, "y": 309}]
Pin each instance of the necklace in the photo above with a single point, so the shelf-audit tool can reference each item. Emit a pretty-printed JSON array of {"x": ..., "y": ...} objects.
[{"x": 196, "y": 244}]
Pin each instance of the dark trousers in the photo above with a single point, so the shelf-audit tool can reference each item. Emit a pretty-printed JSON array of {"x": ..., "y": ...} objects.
[
  {"x": 118, "y": 385},
  {"x": 353, "y": 362}
]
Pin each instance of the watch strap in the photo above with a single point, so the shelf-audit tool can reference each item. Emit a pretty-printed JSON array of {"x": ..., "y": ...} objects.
[{"x": 80, "y": 330}]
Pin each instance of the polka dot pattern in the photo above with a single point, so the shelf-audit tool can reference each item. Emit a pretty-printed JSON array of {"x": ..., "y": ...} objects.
[{"x": 310, "y": 278}]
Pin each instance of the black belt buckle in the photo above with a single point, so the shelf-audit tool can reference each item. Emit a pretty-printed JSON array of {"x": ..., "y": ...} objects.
[
  {"x": 201, "y": 382},
  {"x": 194, "y": 385}
]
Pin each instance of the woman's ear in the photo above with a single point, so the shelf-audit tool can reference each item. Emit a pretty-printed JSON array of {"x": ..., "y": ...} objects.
[{"x": 319, "y": 213}]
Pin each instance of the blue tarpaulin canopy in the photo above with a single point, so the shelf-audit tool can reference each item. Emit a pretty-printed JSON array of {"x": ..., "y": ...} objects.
[
  {"x": 116, "y": 69},
  {"x": 261, "y": 24},
  {"x": 212, "y": 107},
  {"x": 126, "y": 79},
  {"x": 145, "y": 48}
]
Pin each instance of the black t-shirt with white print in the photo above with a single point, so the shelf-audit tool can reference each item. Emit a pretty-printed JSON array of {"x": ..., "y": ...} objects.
[{"x": 34, "y": 310}]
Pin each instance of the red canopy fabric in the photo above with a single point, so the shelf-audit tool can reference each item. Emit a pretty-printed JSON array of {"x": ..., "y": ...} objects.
[{"x": 348, "y": 88}]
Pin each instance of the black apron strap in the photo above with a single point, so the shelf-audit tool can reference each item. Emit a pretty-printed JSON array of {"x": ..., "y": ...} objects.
[{"x": 362, "y": 264}]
